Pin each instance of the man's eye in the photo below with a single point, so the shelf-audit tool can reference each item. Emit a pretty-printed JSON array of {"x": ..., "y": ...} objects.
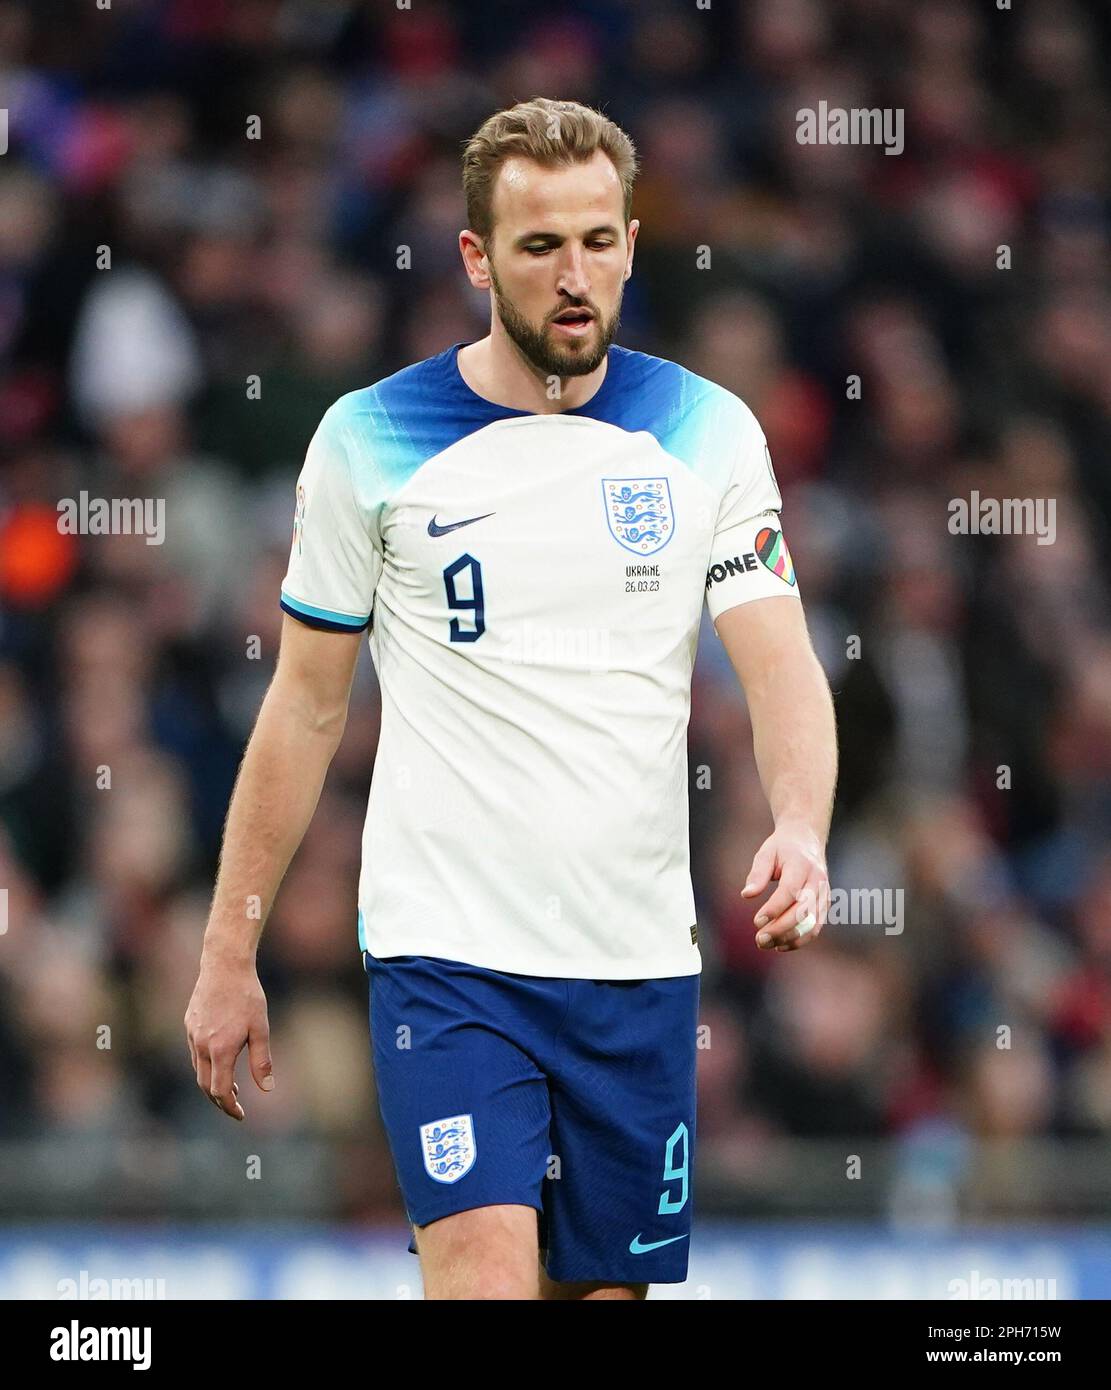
[
  {"x": 600, "y": 245},
  {"x": 537, "y": 250}
]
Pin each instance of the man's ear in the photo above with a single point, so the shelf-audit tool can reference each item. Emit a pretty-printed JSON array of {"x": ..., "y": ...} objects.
[
  {"x": 473, "y": 250},
  {"x": 631, "y": 236}
]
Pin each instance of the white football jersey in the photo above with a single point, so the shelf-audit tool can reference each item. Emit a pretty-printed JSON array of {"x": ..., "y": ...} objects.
[{"x": 533, "y": 586}]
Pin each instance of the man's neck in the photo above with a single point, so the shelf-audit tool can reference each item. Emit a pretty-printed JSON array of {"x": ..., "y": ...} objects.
[{"x": 495, "y": 369}]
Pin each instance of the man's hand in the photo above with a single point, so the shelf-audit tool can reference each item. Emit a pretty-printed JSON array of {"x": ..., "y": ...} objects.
[
  {"x": 295, "y": 736},
  {"x": 226, "y": 1012},
  {"x": 795, "y": 742},
  {"x": 795, "y": 913}
]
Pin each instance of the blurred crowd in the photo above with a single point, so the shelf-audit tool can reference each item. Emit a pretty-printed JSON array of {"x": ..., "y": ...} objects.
[{"x": 182, "y": 294}]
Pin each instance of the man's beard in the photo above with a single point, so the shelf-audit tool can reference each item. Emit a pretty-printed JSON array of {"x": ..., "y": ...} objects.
[{"x": 552, "y": 359}]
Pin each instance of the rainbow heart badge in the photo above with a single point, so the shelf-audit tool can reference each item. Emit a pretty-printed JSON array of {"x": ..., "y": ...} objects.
[{"x": 774, "y": 555}]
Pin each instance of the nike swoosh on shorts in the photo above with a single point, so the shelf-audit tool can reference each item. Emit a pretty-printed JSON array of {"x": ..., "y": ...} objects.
[{"x": 636, "y": 1248}]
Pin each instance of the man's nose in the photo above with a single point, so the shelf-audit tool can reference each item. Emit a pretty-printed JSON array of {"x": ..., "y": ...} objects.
[{"x": 573, "y": 277}]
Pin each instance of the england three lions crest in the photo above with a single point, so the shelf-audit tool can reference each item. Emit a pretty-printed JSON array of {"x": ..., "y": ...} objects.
[
  {"x": 449, "y": 1147},
  {"x": 639, "y": 513}
]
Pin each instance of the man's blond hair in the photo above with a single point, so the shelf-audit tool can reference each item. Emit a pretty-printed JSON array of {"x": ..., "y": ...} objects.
[{"x": 552, "y": 133}]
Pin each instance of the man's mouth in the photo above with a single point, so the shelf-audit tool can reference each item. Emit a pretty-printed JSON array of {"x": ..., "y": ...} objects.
[{"x": 574, "y": 321}]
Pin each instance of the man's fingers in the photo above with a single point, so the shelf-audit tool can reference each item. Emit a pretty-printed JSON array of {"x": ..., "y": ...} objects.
[
  {"x": 261, "y": 1063},
  {"x": 790, "y": 885},
  {"x": 223, "y": 1089},
  {"x": 778, "y": 930},
  {"x": 204, "y": 1075},
  {"x": 792, "y": 933},
  {"x": 800, "y": 923},
  {"x": 204, "y": 1071},
  {"x": 760, "y": 875}
]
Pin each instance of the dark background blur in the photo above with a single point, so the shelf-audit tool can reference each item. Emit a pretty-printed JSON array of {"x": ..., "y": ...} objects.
[{"x": 277, "y": 257}]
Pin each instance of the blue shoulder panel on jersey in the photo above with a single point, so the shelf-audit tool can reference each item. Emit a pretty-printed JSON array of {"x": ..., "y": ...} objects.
[
  {"x": 393, "y": 427},
  {"x": 399, "y": 423},
  {"x": 695, "y": 420}
]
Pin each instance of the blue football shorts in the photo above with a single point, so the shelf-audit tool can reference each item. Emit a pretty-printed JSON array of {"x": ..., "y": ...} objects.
[{"x": 575, "y": 1097}]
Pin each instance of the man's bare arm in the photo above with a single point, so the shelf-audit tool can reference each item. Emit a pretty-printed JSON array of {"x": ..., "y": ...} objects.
[
  {"x": 795, "y": 742},
  {"x": 295, "y": 737}
]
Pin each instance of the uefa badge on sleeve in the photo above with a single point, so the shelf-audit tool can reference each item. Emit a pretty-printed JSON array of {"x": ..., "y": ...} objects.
[
  {"x": 448, "y": 1147},
  {"x": 299, "y": 519}
]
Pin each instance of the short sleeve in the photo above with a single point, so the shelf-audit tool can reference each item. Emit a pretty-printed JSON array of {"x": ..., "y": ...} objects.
[
  {"x": 749, "y": 558},
  {"x": 334, "y": 561}
]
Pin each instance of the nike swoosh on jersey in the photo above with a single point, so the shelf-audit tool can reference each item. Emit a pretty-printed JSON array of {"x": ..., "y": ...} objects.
[
  {"x": 636, "y": 1248},
  {"x": 435, "y": 529}
]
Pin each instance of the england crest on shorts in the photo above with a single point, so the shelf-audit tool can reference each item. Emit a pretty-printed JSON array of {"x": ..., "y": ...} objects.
[
  {"x": 448, "y": 1147},
  {"x": 639, "y": 513}
]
